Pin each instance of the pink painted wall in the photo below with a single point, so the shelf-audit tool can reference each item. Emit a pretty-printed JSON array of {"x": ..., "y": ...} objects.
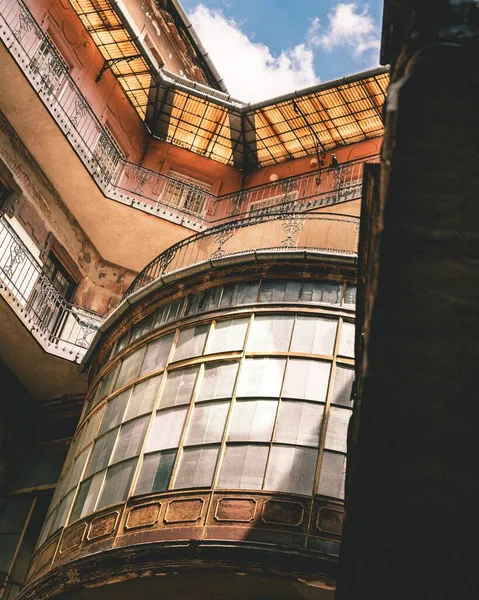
[{"x": 107, "y": 99}]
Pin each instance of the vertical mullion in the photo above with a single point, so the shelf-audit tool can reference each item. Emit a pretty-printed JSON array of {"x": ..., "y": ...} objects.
[
  {"x": 229, "y": 416},
  {"x": 327, "y": 406}
]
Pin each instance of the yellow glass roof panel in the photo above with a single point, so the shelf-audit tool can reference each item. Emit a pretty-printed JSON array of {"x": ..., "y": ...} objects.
[{"x": 114, "y": 42}]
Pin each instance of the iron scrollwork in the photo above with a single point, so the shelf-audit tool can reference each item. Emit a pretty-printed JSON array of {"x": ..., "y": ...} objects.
[
  {"x": 79, "y": 111},
  {"x": 221, "y": 236},
  {"x": 17, "y": 256},
  {"x": 142, "y": 176},
  {"x": 291, "y": 224},
  {"x": 25, "y": 23}
]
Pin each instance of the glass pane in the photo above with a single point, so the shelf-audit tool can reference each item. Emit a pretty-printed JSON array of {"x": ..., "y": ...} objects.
[
  {"x": 239, "y": 293},
  {"x": 122, "y": 342},
  {"x": 142, "y": 327},
  {"x": 62, "y": 512},
  {"x": 202, "y": 301},
  {"x": 90, "y": 429},
  {"x": 343, "y": 386},
  {"x": 117, "y": 483},
  {"x": 169, "y": 313},
  {"x": 291, "y": 469},
  {"x": 279, "y": 291},
  {"x": 129, "y": 368},
  {"x": 261, "y": 377},
  {"x": 333, "y": 475},
  {"x": 337, "y": 433},
  {"x": 228, "y": 336},
  {"x": 306, "y": 379},
  {"x": 155, "y": 472},
  {"x": 350, "y": 296},
  {"x": 197, "y": 467},
  {"x": 115, "y": 410},
  {"x": 77, "y": 470},
  {"x": 253, "y": 420},
  {"x": 101, "y": 453},
  {"x": 218, "y": 381},
  {"x": 346, "y": 343},
  {"x": 207, "y": 423},
  {"x": 191, "y": 342},
  {"x": 166, "y": 429},
  {"x": 130, "y": 439},
  {"x": 299, "y": 423},
  {"x": 105, "y": 385},
  {"x": 87, "y": 496},
  {"x": 324, "y": 292},
  {"x": 179, "y": 387},
  {"x": 243, "y": 467},
  {"x": 143, "y": 397},
  {"x": 270, "y": 333},
  {"x": 156, "y": 354},
  {"x": 314, "y": 336}
]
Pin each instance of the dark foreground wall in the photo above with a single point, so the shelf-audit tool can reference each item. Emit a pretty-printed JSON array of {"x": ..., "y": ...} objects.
[{"x": 411, "y": 498}]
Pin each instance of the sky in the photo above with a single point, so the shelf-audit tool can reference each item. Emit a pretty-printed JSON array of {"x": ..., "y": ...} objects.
[{"x": 265, "y": 48}]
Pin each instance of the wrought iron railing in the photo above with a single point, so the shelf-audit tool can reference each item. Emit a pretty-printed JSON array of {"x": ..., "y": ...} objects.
[
  {"x": 59, "y": 326},
  {"x": 304, "y": 192},
  {"x": 326, "y": 233},
  {"x": 136, "y": 185},
  {"x": 50, "y": 76}
]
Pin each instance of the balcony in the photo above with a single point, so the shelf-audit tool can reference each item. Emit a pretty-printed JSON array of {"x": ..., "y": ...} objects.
[
  {"x": 61, "y": 328},
  {"x": 132, "y": 184},
  {"x": 259, "y": 235}
]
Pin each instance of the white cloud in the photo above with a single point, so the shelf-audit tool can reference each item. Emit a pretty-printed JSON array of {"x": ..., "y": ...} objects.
[
  {"x": 349, "y": 27},
  {"x": 250, "y": 70}
]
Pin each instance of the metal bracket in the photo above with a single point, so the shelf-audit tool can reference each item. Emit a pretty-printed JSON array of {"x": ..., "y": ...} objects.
[{"x": 114, "y": 61}]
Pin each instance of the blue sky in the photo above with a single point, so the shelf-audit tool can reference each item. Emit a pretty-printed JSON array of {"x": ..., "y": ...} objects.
[{"x": 264, "y": 48}]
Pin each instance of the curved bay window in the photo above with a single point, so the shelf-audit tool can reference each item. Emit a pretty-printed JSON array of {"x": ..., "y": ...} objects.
[{"x": 258, "y": 400}]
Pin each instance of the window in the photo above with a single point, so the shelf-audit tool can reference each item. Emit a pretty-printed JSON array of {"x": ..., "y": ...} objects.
[
  {"x": 108, "y": 155},
  {"x": 207, "y": 423},
  {"x": 191, "y": 342},
  {"x": 306, "y": 379},
  {"x": 291, "y": 469},
  {"x": 156, "y": 354},
  {"x": 346, "y": 344},
  {"x": 155, "y": 472},
  {"x": 166, "y": 430},
  {"x": 179, "y": 387},
  {"x": 261, "y": 377},
  {"x": 218, "y": 381},
  {"x": 117, "y": 483},
  {"x": 314, "y": 336},
  {"x": 228, "y": 336},
  {"x": 50, "y": 66},
  {"x": 129, "y": 368},
  {"x": 333, "y": 475},
  {"x": 299, "y": 423},
  {"x": 54, "y": 287},
  {"x": 143, "y": 397},
  {"x": 270, "y": 333},
  {"x": 185, "y": 192},
  {"x": 197, "y": 467},
  {"x": 243, "y": 467},
  {"x": 253, "y": 420}
]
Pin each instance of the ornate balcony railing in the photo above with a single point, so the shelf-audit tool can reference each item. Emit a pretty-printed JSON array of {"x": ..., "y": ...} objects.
[
  {"x": 118, "y": 178},
  {"x": 136, "y": 185},
  {"x": 60, "y": 327},
  {"x": 301, "y": 192},
  {"x": 280, "y": 232}
]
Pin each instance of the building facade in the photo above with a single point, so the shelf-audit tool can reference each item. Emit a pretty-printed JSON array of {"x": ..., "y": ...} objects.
[{"x": 177, "y": 295}]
